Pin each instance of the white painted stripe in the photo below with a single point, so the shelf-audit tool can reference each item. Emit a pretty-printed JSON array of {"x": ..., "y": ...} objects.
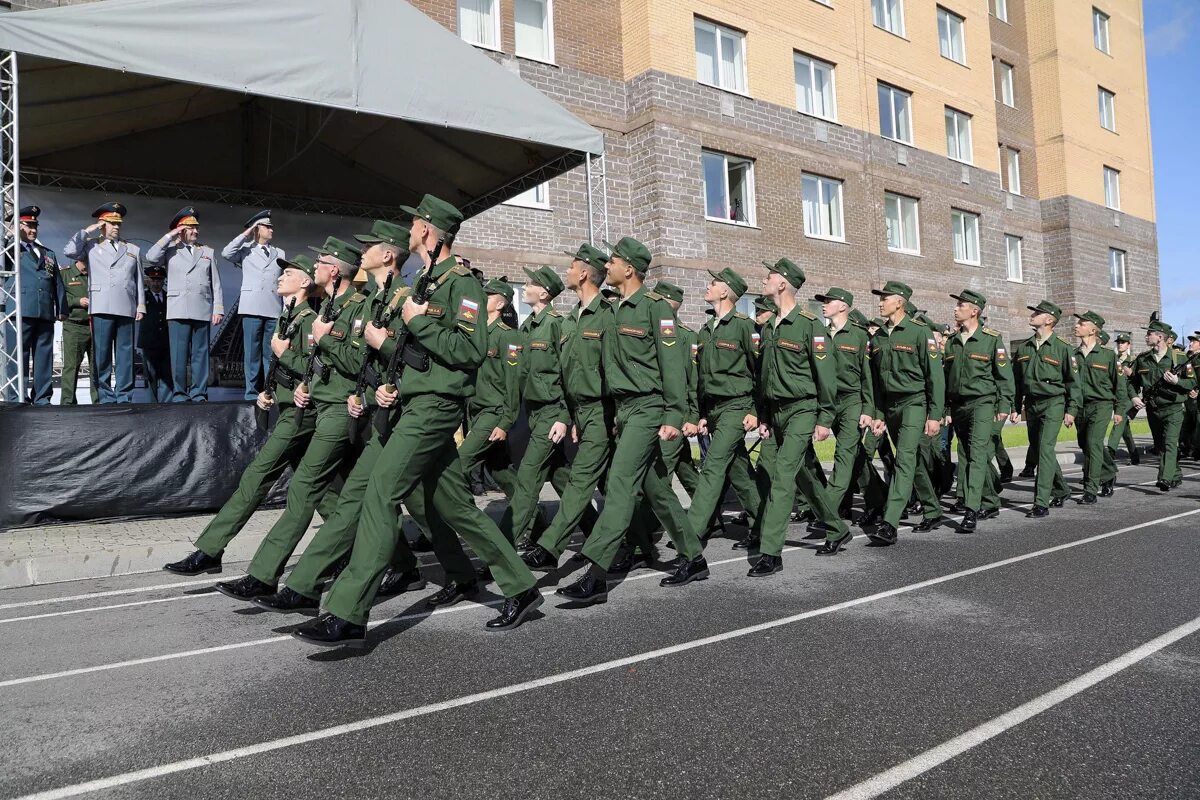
[
  {"x": 110, "y": 608},
  {"x": 890, "y": 779},
  {"x": 47, "y": 601},
  {"x": 124, "y": 779}
]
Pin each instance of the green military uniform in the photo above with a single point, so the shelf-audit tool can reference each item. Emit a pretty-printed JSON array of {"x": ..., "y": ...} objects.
[
  {"x": 979, "y": 387},
  {"x": 1122, "y": 431},
  {"x": 909, "y": 390},
  {"x": 874, "y": 489},
  {"x": 1047, "y": 389},
  {"x": 1164, "y": 401},
  {"x": 76, "y": 333},
  {"x": 1190, "y": 432},
  {"x": 1102, "y": 391}
]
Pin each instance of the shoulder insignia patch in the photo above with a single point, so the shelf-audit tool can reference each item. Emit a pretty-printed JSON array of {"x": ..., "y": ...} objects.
[
  {"x": 459, "y": 269},
  {"x": 807, "y": 314},
  {"x": 503, "y": 326},
  {"x": 739, "y": 315},
  {"x": 357, "y": 297},
  {"x": 991, "y": 331},
  {"x": 916, "y": 321},
  {"x": 654, "y": 295},
  {"x": 1061, "y": 339}
]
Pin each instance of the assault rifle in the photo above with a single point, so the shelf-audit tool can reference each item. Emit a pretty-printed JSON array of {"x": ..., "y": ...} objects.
[
  {"x": 355, "y": 427},
  {"x": 327, "y": 315},
  {"x": 285, "y": 332}
]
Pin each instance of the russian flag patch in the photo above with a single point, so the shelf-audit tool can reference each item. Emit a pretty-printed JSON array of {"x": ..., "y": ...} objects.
[{"x": 468, "y": 310}]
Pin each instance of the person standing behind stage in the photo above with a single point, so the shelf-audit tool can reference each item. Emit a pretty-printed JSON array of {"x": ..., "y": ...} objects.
[
  {"x": 42, "y": 301},
  {"x": 251, "y": 251},
  {"x": 152, "y": 338},
  {"x": 77, "y": 332},
  {"x": 194, "y": 303},
  {"x": 115, "y": 299}
]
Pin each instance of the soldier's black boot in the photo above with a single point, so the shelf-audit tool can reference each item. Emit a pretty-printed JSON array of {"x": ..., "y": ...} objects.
[
  {"x": 1006, "y": 473},
  {"x": 884, "y": 533},
  {"x": 969, "y": 522},
  {"x": 1135, "y": 456},
  {"x": 926, "y": 525},
  {"x": 1088, "y": 499},
  {"x": 515, "y": 609},
  {"x": 686, "y": 572},
  {"x": 539, "y": 558},
  {"x": 246, "y": 588},
  {"x": 198, "y": 563},
  {"x": 832, "y": 546},
  {"x": 590, "y": 589},
  {"x": 871, "y": 516},
  {"x": 748, "y": 543},
  {"x": 766, "y": 565},
  {"x": 285, "y": 601},
  {"x": 1106, "y": 489},
  {"x": 1039, "y": 512},
  {"x": 1163, "y": 486},
  {"x": 396, "y": 582},
  {"x": 451, "y": 594},
  {"x": 328, "y": 630},
  {"x": 1028, "y": 472},
  {"x": 1059, "y": 502}
]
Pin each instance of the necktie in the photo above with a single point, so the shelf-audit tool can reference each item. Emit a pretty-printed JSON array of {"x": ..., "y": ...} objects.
[{"x": 266, "y": 250}]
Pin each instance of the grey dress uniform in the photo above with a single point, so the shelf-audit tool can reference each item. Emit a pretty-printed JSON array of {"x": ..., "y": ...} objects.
[
  {"x": 193, "y": 296},
  {"x": 258, "y": 304}
]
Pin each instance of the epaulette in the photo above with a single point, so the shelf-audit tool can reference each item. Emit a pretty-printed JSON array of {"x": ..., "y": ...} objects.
[
  {"x": 305, "y": 311},
  {"x": 552, "y": 312},
  {"x": 739, "y": 315},
  {"x": 1061, "y": 339},
  {"x": 459, "y": 269},
  {"x": 654, "y": 295},
  {"x": 807, "y": 314},
  {"x": 503, "y": 326},
  {"x": 357, "y": 297},
  {"x": 991, "y": 331}
]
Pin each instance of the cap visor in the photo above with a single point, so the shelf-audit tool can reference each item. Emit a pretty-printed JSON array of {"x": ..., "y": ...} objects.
[
  {"x": 533, "y": 277},
  {"x": 410, "y": 210},
  {"x": 284, "y": 263},
  {"x": 881, "y": 293},
  {"x": 367, "y": 238},
  {"x": 320, "y": 250}
]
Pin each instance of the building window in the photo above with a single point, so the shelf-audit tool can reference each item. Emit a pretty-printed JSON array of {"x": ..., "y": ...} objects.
[
  {"x": 534, "y": 28},
  {"x": 720, "y": 56},
  {"x": 895, "y": 118},
  {"x": 1116, "y": 269},
  {"x": 823, "y": 208},
  {"x": 952, "y": 41},
  {"x": 745, "y": 304},
  {"x": 815, "y": 93},
  {"x": 537, "y": 197},
  {"x": 958, "y": 135},
  {"x": 479, "y": 23},
  {"x": 728, "y": 188},
  {"x": 1007, "y": 95},
  {"x": 889, "y": 15},
  {"x": 522, "y": 308},
  {"x": 1012, "y": 169},
  {"x": 902, "y": 219},
  {"x": 1100, "y": 30},
  {"x": 1108, "y": 109},
  {"x": 1000, "y": 10},
  {"x": 966, "y": 237},
  {"x": 1112, "y": 188},
  {"x": 1016, "y": 269}
]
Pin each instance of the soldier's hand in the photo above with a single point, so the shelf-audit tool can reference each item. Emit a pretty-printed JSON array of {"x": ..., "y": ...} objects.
[
  {"x": 947, "y": 420},
  {"x": 412, "y": 309},
  {"x": 575, "y": 434},
  {"x": 1128, "y": 371},
  {"x": 300, "y": 397},
  {"x": 278, "y": 346},
  {"x": 1139, "y": 403},
  {"x": 320, "y": 328},
  {"x": 764, "y": 432},
  {"x": 497, "y": 435},
  {"x": 385, "y": 398},
  {"x": 1194, "y": 393},
  {"x": 1170, "y": 377},
  {"x": 354, "y": 408},
  {"x": 558, "y": 432},
  {"x": 749, "y": 422},
  {"x": 702, "y": 427},
  {"x": 1118, "y": 419},
  {"x": 821, "y": 433},
  {"x": 217, "y": 318},
  {"x": 174, "y": 234},
  {"x": 689, "y": 429},
  {"x": 864, "y": 422},
  {"x": 264, "y": 401},
  {"x": 879, "y": 427},
  {"x": 246, "y": 234},
  {"x": 138, "y": 317},
  {"x": 1014, "y": 417},
  {"x": 374, "y": 336},
  {"x": 933, "y": 427},
  {"x": 1069, "y": 420},
  {"x": 83, "y": 302},
  {"x": 668, "y": 433},
  {"x": 1001, "y": 417}
]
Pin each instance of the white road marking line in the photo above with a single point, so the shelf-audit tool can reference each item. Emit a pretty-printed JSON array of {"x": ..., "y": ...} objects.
[
  {"x": 890, "y": 779},
  {"x": 127, "y": 778},
  {"x": 109, "y": 608},
  {"x": 113, "y": 593}
]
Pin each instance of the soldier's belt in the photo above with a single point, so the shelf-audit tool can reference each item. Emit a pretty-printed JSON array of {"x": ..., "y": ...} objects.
[{"x": 415, "y": 357}]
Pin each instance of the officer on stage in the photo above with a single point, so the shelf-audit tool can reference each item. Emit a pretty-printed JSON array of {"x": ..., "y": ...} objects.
[
  {"x": 42, "y": 302},
  {"x": 152, "y": 338},
  {"x": 251, "y": 251},
  {"x": 116, "y": 298},
  {"x": 194, "y": 303},
  {"x": 77, "y": 331}
]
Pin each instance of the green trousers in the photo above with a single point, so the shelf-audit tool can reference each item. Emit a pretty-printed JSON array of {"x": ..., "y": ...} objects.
[
  {"x": 906, "y": 429},
  {"x": 926, "y": 478},
  {"x": 420, "y": 456},
  {"x": 974, "y": 421},
  {"x": 335, "y": 538},
  {"x": 328, "y": 455},
  {"x": 1165, "y": 424},
  {"x": 593, "y": 424},
  {"x": 77, "y": 345},
  {"x": 848, "y": 459},
  {"x": 1002, "y": 458},
  {"x": 1187, "y": 434},
  {"x": 1091, "y": 430},
  {"x": 543, "y": 460},
  {"x": 786, "y": 452},
  {"x": 874, "y": 489},
  {"x": 727, "y": 459},
  {"x": 637, "y": 469},
  {"x": 1043, "y": 419},
  {"x": 678, "y": 455},
  {"x": 476, "y": 450},
  {"x": 284, "y": 448},
  {"x": 1123, "y": 432}
]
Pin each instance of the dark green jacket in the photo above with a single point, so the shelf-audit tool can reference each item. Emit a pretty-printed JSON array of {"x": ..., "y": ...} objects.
[
  {"x": 689, "y": 341},
  {"x": 381, "y": 358},
  {"x": 582, "y": 342},
  {"x": 797, "y": 365},
  {"x": 75, "y": 286},
  {"x": 541, "y": 382},
  {"x": 498, "y": 384},
  {"x": 907, "y": 364},
  {"x": 852, "y": 347},
  {"x": 342, "y": 350},
  {"x": 1147, "y": 378},
  {"x": 1100, "y": 380},
  {"x": 979, "y": 367},
  {"x": 646, "y": 356},
  {"x": 727, "y": 360},
  {"x": 1047, "y": 371},
  {"x": 294, "y": 359},
  {"x": 453, "y": 331}
]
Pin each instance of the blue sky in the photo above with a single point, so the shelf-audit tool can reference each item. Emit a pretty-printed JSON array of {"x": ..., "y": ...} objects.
[{"x": 1173, "y": 61}]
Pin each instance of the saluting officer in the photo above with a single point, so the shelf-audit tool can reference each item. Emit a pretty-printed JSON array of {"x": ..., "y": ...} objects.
[
  {"x": 77, "y": 331},
  {"x": 1162, "y": 379},
  {"x": 251, "y": 251},
  {"x": 42, "y": 302},
  {"x": 194, "y": 303},
  {"x": 153, "y": 338},
  {"x": 116, "y": 298}
]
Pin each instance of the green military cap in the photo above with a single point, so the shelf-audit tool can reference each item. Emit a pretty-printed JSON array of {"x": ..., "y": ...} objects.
[
  {"x": 788, "y": 269},
  {"x": 499, "y": 286},
  {"x": 343, "y": 251},
  {"x": 547, "y": 279},
  {"x": 859, "y": 318},
  {"x": 879, "y": 322},
  {"x": 1194, "y": 337},
  {"x": 763, "y": 303},
  {"x": 1046, "y": 307},
  {"x": 436, "y": 212},
  {"x": 609, "y": 292},
  {"x": 1123, "y": 338},
  {"x": 1171, "y": 334},
  {"x": 1157, "y": 326},
  {"x": 631, "y": 250},
  {"x": 302, "y": 263},
  {"x": 894, "y": 287},
  {"x": 592, "y": 255},
  {"x": 1104, "y": 337},
  {"x": 970, "y": 296},
  {"x": 669, "y": 291},
  {"x": 393, "y": 233},
  {"x": 735, "y": 282},
  {"x": 1092, "y": 317},
  {"x": 836, "y": 294}
]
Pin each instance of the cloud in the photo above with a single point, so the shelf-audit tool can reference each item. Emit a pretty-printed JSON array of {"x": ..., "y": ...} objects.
[{"x": 1173, "y": 33}]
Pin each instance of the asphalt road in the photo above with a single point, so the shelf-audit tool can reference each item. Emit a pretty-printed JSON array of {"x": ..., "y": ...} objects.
[{"x": 1033, "y": 659}]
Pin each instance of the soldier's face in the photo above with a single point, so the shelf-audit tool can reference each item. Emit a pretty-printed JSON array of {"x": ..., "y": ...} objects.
[
  {"x": 264, "y": 233},
  {"x": 28, "y": 231},
  {"x": 533, "y": 294},
  {"x": 576, "y": 275},
  {"x": 1123, "y": 347},
  {"x": 290, "y": 281},
  {"x": 889, "y": 304},
  {"x": 111, "y": 230},
  {"x": 189, "y": 234},
  {"x": 833, "y": 308},
  {"x": 1039, "y": 318},
  {"x": 325, "y": 271},
  {"x": 619, "y": 271},
  {"x": 154, "y": 284},
  {"x": 496, "y": 303},
  {"x": 416, "y": 234},
  {"x": 963, "y": 311},
  {"x": 372, "y": 257}
]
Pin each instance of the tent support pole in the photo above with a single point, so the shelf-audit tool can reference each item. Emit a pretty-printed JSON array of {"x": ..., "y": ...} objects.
[
  {"x": 591, "y": 212},
  {"x": 12, "y": 371},
  {"x": 597, "y": 200}
]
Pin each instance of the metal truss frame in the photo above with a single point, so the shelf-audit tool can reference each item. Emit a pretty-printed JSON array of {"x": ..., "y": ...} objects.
[{"x": 12, "y": 371}]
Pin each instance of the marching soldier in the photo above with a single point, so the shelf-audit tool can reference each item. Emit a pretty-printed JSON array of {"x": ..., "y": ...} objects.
[
  {"x": 1162, "y": 379},
  {"x": 873, "y": 488},
  {"x": 153, "y": 338},
  {"x": 251, "y": 251},
  {"x": 77, "y": 332},
  {"x": 42, "y": 302},
  {"x": 116, "y": 299},
  {"x": 764, "y": 309},
  {"x": 678, "y": 452},
  {"x": 1048, "y": 392},
  {"x": 1102, "y": 392},
  {"x": 194, "y": 303},
  {"x": 1191, "y": 437},
  {"x": 1123, "y": 431},
  {"x": 979, "y": 393}
]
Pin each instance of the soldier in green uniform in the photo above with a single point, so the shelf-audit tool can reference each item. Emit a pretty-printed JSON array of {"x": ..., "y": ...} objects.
[
  {"x": 1048, "y": 392},
  {"x": 764, "y": 310},
  {"x": 1123, "y": 432},
  {"x": 1161, "y": 380},
  {"x": 645, "y": 371},
  {"x": 678, "y": 452},
  {"x": 799, "y": 384},
  {"x": 1102, "y": 393},
  {"x": 1193, "y": 441},
  {"x": 910, "y": 395},
  {"x": 979, "y": 393},
  {"x": 76, "y": 331},
  {"x": 299, "y": 280},
  {"x": 1188, "y": 433},
  {"x": 866, "y": 477},
  {"x": 420, "y": 455}
]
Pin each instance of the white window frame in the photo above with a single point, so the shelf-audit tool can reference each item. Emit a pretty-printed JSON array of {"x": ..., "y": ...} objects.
[
  {"x": 966, "y": 222},
  {"x": 1012, "y": 170},
  {"x": 888, "y": 15},
  {"x": 957, "y": 120},
  {"x": 751, "y": 219},
  {"x": 892, "y": 92},
  {"x": 1112, "y": 188},
  {"x": 1000, "y": 10},
  {"x": 1101, "y": 95},
  {"x": 801, "y": 61},
  {"x": 1117, "y": 257},
  {"x": 901, "y": 201},
  {"x": 1008, "y": 89},
  {"x": 1009, "y": 241},
  {"x": 548, "y": 31},
  {"x": 948, "y": 22},
  {"x": 1100, "y": 31},
  {"x": 745, "y": 304},
  {"x": 829, "y": 195},
  {"x": 536, "y": 197},
  {"x": 495, "y": 15},
  {"x": 718, "y": 32}
]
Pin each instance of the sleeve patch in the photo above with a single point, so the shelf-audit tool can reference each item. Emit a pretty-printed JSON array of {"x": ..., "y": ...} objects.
[
  {"x": 629, "y": 330},
  {"x": 819, "y": 344},
  {"x": 468, "y": 310},
  {"x": 666, "y": 327}
]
